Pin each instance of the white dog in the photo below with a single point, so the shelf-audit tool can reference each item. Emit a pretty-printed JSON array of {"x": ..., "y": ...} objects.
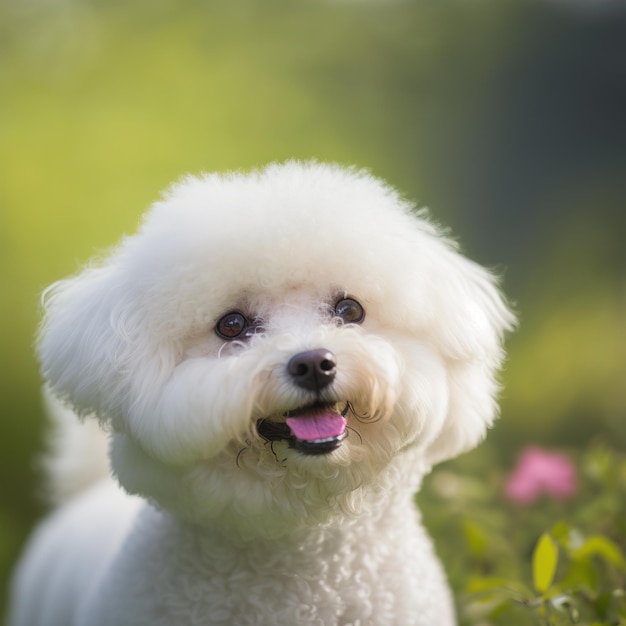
[{"x": 280, "y": 357}]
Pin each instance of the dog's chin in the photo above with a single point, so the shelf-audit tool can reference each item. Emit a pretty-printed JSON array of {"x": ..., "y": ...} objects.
[
  {"x": 315, "y": 429},
  {"x": 278, "y": 479}
]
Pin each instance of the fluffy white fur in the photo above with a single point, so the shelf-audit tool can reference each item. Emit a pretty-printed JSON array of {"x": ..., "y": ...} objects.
[{"x": 227, "y": 527}]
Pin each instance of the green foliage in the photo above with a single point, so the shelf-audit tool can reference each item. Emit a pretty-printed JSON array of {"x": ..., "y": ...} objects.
[
  {"x": 551, "y": 563},
  {"x": 545, "y": 559}
]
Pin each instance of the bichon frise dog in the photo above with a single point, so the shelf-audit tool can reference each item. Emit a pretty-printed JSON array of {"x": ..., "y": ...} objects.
[{"x": 279, "y": 357}]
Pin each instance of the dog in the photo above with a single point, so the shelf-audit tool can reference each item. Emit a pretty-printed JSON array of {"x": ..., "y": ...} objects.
[{"x": 278, "y": 357}]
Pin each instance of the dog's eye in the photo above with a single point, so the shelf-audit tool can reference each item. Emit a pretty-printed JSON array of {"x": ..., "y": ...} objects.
[
  {"x": 350, "y": 311},
  {"x": 231, "y": 325}
]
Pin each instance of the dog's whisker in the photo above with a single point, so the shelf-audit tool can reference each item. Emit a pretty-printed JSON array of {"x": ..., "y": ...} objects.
[
  {"x": 281, "y": 463},
  {"x": 239, "y": 455},
  {"x": 361, "y": 417},
  {"x": 356, "y": 432}
]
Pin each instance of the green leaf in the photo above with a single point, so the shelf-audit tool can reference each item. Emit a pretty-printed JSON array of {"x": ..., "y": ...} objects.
[
  {"x": 561, "y": 533},
  {"x": 475, "y": 537},
  {"x": 580, "y": 575},
  {"x": 597, "y": 545},
  {"x": 545, "y": 559},
  {"x": 484, "y": 583},
  {"x": 503, "y": 586},
  {"x": 602, "y": 604}
]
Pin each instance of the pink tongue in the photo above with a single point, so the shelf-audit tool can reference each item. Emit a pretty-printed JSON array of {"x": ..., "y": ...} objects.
[{"x": 317, "y": 425}]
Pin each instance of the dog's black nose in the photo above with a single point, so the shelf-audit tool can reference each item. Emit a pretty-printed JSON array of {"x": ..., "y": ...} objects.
[{"x": 313, "y": 369}]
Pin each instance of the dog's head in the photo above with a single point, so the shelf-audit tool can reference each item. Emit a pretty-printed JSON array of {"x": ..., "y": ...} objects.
[{"x": 268, "y": 343}]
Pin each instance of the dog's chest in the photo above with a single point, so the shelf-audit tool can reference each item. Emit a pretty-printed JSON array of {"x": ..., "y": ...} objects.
[{"x": 329, "y": 578}]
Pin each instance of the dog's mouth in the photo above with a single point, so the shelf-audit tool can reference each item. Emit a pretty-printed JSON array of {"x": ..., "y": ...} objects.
[{"x": 312, "y": 429}]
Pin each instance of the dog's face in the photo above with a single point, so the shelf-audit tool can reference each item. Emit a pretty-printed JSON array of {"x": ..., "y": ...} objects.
[{"x": 270, "y": 344}]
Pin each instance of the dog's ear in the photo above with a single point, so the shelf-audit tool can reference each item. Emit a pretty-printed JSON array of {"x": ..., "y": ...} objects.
[
  {"x": 78, "y": 341},
  {"x": 473, "y": 321},
  {"x": 90, "y": 339}
]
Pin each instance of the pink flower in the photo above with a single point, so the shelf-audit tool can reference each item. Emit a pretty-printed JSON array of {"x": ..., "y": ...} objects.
[{"x": 540, "y": 472}]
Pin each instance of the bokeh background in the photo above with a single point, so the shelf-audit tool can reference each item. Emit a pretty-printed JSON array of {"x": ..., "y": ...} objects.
[{"x": 506, "y": 118}]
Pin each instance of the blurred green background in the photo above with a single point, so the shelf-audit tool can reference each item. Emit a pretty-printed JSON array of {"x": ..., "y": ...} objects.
[{"x": 507, "y": 119}]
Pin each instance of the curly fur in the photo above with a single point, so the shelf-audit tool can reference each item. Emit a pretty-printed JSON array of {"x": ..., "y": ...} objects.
[{"x": 226, "y": 527}]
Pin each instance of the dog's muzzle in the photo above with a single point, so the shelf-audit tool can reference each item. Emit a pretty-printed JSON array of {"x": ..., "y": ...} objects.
[{"x": 317, "y": 428}]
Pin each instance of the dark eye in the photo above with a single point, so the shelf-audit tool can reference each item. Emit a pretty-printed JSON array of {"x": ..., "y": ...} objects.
[
  {"x": 350, "y": 311},
  {"x": 231, "y": 325}
]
